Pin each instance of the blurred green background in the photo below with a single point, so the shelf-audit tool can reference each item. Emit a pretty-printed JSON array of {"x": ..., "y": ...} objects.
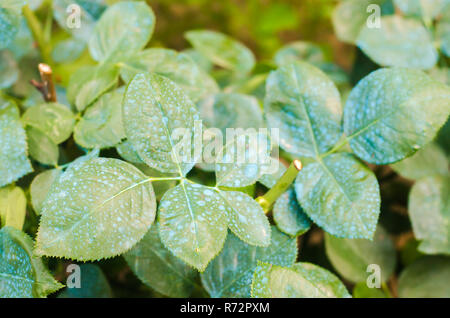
[{"x": 263, "y": 25}]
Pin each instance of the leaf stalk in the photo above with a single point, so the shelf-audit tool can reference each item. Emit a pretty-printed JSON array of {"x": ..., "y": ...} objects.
[{"x": 267, "y": 200}]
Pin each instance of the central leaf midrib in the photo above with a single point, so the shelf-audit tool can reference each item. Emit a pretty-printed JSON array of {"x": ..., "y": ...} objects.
[
  {"x": 343, "y": 192},
  {"x": 305, "y": 109}
]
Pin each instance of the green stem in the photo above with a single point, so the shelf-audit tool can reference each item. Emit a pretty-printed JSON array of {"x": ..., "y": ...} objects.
[
  {"x": 267, "y": 200},
  {"x": 38, "y": 33}
]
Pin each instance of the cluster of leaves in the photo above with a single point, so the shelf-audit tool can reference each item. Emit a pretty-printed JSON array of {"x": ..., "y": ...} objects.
[{"x": 107, "y": 180}]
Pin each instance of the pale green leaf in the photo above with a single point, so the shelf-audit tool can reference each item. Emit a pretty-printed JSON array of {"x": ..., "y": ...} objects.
[
  {"x": 222, "y": 50},
  {"x": 8, "y": 69},
  {"x": 14, "y": 162},
  {"x": 40, "y": 186},
  {"x": 399, "y": 42},
  {"x": 350, "y": 16},
  {"x": 299, "y": 51},
  {"x": 9, "y": 24},
  {"x": 230, "y": 273},
  {"x": 98, "y": 208},
  {"x": 244, "y": 159},
  {"x": 351, "y": 257},
  {"x": 123, "y": 29},
  {"x": 443, "y": 32},
  {"x": 392, "y": 113},
  {"x": 305, "y": 105},
  {"x": 154, "y": 109},
  {"x": 427, "y": 277},
  {"x": 200, "y": 59},
  {"x": 67, "y": 21},
  {"x": 341, "y": 195},
  {"x": 246, "y": 218},
  {"x": 429, "y": 210},
  {"x": 88, "y": 83},
  {"x": 269, "y": 180},
  {"x": 302, "y": 280},
  {"x": 231, "y": 110},
  {"x": 158, "y": 268},
  {"x": 13, "y": 205},
  {"x": 93, "y": 284},
  {"x": 222, "y": 111},
  {"x": 41, "y": 147},
  {"x": 362, "y": 291},
  {"x": 127, "y": 152},
  {"x": 22, "y": 275},
  {"x": 428, "y": 9},
  {"x": 54, "y": 120},
  {"x": 289, "y": 216},
  {"x": 193, "y": 223},
  {"x": 68, "y": 50},
  {"x": 101, "y": 125},
  {"x": 178, "y": 67},
  {"x": 428, "y": 161}
]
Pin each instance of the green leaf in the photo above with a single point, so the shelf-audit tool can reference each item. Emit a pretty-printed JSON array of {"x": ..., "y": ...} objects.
[
  {"x": 41, "y": 147},
  {"x": 67, "y": 50},
  {"x": 22, "y": 275},
  {"x": 399, "y": 42},
  {"x": 231, "y": 110},
  {"x": 14, "y": 162},
  {"x": 222, "y": 111},
  {"x": 23, "y": 41},
  {"x": 422, "y": 8},
  {"x": 243, "y": 160},
  {"x": 305, "y": 105},
  {"x": 9, "y": 24},
  {"x": 246, "y": 218},
  {"x": 362, "y": 291},
  {"x": 101, "y": 126},
  {"x": 299, "y": 51},
  {"x": 222, "y": 50},
  {"x": 158, "y": 268},
  {"x": 341, "y": 195},
  {"x": 392, "y": 113},
  {"x": 127, "y": 152},
  {"x": 53, "y": 120},
  {"x": 123, "y": 29},
  {"x": 93, "y": 284},
  {"x": 98, "y": 208},
  {"x": 429, "y": 207},
  {"x": 269, "y": 180},
  {"x": 84, "y": 30},
  {"x": 88, "y": 83},
  {"x": 289, "y": 216},
  {"x": 154, "y": 108},
  {"x": 350, "y": 16},
  {"x": 443, "y": 32},
  {"x": 428, "y": 161},
  {"x": 178, "y": 67},
  {"x": 427, "y": 277},
  {"x": 351, "y": 257},
  {"x": 9, "y": 71},
  {"x": 198, "y": 58},
  {"x": 193, "y": 223},
  {"x": 302, "y": 280},
  {"x": 230, "y": 273},
  {"x": 40, "y": 187},
  {"x": 13, "y": 205}
]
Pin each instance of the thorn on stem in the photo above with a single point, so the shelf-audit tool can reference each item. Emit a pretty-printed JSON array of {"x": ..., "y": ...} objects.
[
  {"x": 46, "y": 87},
  {"x": 298, "y": 165}
]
